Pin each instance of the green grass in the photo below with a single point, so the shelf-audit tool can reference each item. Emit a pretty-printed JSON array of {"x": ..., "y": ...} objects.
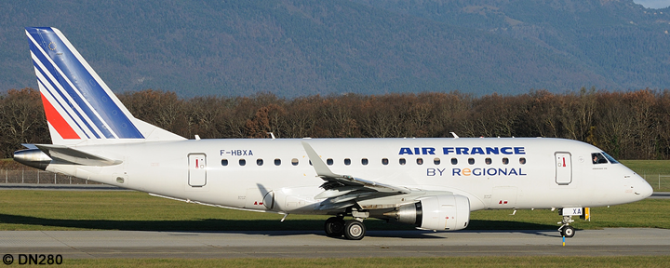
[
  {"x": 543, "y": 261},
  {"x": 650, "y": 169},
  {"x": 648, "y": 166},
  {"x": 128, "y": 210}
]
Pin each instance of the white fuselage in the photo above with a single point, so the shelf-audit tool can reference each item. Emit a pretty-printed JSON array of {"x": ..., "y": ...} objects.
[{"x": 556, "y": 173}]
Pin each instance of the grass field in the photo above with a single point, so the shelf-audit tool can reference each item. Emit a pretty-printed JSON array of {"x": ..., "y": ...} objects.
[
  {"x": 650, "y": 170},
  {"x": 129, "y": 210}
]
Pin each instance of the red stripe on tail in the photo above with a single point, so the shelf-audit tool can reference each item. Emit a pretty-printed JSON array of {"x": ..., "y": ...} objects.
[{"x": 58, "y": 122}]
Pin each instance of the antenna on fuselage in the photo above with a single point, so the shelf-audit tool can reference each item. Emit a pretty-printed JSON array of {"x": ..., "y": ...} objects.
[
  {"x": 272, "y": 135},
  {"x": 454, "y": 134}
]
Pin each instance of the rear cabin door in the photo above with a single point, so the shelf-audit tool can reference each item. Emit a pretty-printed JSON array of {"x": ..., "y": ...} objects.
[
  {"x": 563, "y": 168},
  {"x": 197, "y": 169}
]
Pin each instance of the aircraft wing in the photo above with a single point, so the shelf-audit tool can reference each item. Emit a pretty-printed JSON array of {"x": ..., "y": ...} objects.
[{"x": 344, "y": 190}]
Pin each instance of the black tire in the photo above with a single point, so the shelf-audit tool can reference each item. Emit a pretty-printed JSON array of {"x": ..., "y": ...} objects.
[
  {"x": 568, "y": 231},
  {"x": 354, "y": 230},
  {"x": 334, "y": 227}
]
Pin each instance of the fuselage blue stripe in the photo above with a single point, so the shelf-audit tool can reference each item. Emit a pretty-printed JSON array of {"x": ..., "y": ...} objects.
[
  {"x": 37, "y": 67},
  {"x": 89, "y": 87}
]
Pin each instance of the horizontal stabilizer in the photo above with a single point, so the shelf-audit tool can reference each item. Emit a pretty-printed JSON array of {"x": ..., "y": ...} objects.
[{"x": 68, "y": 155}]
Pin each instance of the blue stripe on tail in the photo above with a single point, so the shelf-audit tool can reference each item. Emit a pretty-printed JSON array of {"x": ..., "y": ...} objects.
[{"x": 84, "y": 83}]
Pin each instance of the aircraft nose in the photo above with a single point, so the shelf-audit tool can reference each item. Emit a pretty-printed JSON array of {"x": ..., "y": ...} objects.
[{"x": 644, "y": 190}]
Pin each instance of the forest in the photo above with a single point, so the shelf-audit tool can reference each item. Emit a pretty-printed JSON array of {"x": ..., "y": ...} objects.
[{"x": 627, "y": 125}]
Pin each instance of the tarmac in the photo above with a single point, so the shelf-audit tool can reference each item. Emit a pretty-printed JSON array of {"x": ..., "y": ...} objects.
[{"x": 312, "y": 244}]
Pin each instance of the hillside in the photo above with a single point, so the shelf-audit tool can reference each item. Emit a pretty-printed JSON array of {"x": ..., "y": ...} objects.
[
  {"x": 297, "y": 48},
  {"x": 616, "y": 39}
]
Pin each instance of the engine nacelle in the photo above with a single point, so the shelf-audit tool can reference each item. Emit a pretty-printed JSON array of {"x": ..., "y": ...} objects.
[{"x": 440, "y": 212}]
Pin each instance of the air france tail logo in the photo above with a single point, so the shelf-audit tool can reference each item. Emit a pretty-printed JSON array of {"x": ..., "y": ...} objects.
[
  {"x": 463, "y": 150},
  {"x": 78, "y": 102}
]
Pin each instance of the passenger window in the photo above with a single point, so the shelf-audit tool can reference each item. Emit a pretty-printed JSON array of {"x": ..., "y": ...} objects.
[
  {"x": 277, "y": 162},
  {"x": 243, "y": 162},
  {"x": 224, "y": 162},
  {"x": 385, "y": 161},
  {"x": 471, "y": 161},
  {"x": 598, "y": 158},
  {"x": 436, "y": 161},
  {"x": 505, "y": 161},
  {"x": 402, "y": 161},
  {"x": 522, "y": 160},
  {"x": 347, "y": 161},
  {"x": 364, "y": 161},
  {"x": 454, "y": 161},
  {"x": 259, "y": 162},
  {"x": 329, "y": 161},
  {"x": 488, "y": 161},
  {"x": 419, "y": 161},
  {"x": 294, "y": 161}
]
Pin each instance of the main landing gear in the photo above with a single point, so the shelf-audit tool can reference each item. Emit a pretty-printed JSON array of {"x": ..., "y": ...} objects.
[{"x": 352, "y": 229}]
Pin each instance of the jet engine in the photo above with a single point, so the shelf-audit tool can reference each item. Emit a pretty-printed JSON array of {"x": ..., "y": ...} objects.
[{"x": 440, "y": 212}]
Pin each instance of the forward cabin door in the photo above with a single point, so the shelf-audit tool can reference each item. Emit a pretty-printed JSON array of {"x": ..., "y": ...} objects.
[
  {"x": 563, "y": 168},
  {"x": 197, "y": 169}
]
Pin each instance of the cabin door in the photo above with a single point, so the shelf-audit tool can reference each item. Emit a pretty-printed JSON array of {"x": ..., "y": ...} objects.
[
  {"x": 563, "y": 168},
  {"x": 197, "y": 169}
]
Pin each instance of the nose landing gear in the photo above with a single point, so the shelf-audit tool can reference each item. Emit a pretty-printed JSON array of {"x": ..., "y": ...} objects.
[
  {"x": 567, "y": 213},
  {"x": 565, "y": 229}
]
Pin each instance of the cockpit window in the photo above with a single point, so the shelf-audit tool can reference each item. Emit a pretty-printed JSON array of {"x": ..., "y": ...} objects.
[
  {"x": 610, "y": 158},
  {"x": 598, "y": 158}
]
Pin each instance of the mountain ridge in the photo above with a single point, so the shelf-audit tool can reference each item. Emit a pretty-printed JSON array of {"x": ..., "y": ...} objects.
[{"x": 299, "y": 48}]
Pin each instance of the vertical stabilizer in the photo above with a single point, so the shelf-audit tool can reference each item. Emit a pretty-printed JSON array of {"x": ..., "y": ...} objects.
[{"x": 80, "y": 108}]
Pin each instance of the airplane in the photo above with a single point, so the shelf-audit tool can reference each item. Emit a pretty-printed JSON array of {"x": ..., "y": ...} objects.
[{"x": 431, "y": 183}]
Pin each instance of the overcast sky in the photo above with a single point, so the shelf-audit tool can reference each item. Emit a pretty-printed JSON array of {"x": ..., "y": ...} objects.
[{"x": 653, "y": 3}]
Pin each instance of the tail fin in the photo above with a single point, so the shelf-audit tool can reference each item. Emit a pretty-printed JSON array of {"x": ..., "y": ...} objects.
[{"x": 79, "y": 106}]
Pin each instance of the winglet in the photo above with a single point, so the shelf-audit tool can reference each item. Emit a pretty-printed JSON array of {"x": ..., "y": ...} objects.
[
  {"x": 321, "y": 168},
  {"x": 324, "y": 172}
]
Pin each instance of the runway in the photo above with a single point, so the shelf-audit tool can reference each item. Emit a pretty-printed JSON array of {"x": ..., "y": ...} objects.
[{"x": 136, "y": 244}]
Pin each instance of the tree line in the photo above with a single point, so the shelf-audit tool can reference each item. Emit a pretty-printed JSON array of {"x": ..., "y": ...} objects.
[{"x": 628, "y": 125}]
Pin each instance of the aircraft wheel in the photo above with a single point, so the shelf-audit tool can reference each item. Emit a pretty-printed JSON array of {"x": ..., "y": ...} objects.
[
  {"x": 354, "y": 230},
  {"x": 334, "y": 227},
  {"x": 568, "y": 231}
]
